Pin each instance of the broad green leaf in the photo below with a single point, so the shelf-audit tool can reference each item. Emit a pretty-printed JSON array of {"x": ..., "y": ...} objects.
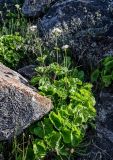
[
  {"x": 53, "y": 140},
  {"x": 48, "y": 127},
  {"x": 76, "y": 139},
  {"x": 80, "y": 75},
  {"x": 66, "y": 134},
  {"x": 95, "y": 75},
  {"x": 109, "y": 64},
  {"x": 35, "y": 80},
  {"x": 38, "y": 131},
  {"x": 107, "y": 80},
  {"x": 39, "y": 149},
  {"x": 107, "y": 59},
  {"x": 56, "y": 120}
]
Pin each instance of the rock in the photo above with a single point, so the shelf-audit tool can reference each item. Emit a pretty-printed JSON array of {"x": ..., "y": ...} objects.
[
  {"x": 10, "y": 1},
  {"x": 6, "y": 1},
  {"x": 28, "y": 71},
  {"x": 85, "y": 25},
  {"x": 34, "y": 8},
  {"x": 102, "y": 146},
  {"x": 20, "y": 105}
]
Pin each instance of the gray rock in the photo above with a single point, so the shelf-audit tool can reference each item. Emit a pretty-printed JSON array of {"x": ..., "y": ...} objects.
[
  {"x": 10, "y": 2},
  {"x": 34, "y": 8},
  {"x": 102, "y": 146},
  {"x": 85, "y": 25},
  {"x": 6, "y": 1},
  {"x": 20, "y": 105},
  {"x": 28, "y": 71}
]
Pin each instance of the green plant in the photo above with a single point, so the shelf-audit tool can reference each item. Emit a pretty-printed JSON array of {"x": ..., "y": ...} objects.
[
  {"x": 104, "y": 73},
  {"x": 11, "y": 49},
  {"x": 62, "y": 131},
  {"x": 21, "y": 148},
  {"x": 12, "y": 20}
]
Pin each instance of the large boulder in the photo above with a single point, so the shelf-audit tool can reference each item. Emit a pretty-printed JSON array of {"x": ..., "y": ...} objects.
[
  {"x": 35, "y": 8},
  {"x": 84, "y": 25},
  {"x": 20, "y": 105}
]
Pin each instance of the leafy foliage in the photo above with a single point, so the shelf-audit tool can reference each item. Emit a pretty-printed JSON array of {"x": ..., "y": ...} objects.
[
  {"x": 105, "y": 72},
  {"x": 15, "y": 26},
  {"x": 11, "y": 49},
  {"x": 62, "y": 131}
]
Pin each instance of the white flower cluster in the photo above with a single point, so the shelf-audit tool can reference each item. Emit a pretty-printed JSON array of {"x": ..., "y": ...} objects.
[
  {"x": 33, "y": 28},
  {"x": 56, "y": 31},
  {"x": 65, "y": 47}
]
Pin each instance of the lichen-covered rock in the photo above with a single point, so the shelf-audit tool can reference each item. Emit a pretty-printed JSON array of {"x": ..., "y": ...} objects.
[
  {"x": 85, "y": 25},
  {"x": 20, "y": 105},
  {"x": 34, "y": 8}
]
